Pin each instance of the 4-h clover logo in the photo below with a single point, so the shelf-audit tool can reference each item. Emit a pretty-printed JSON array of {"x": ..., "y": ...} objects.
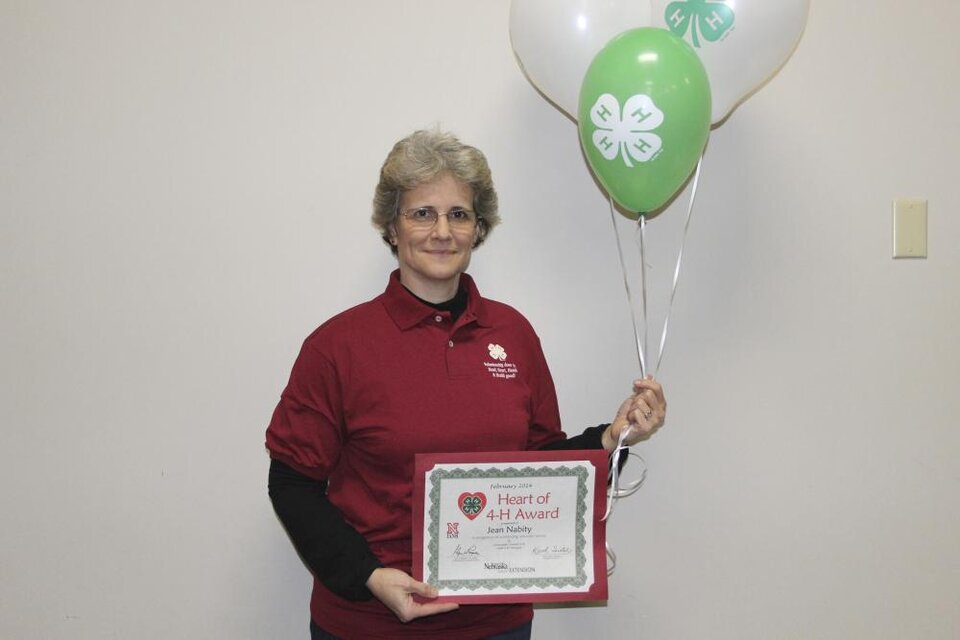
[
  {"x": 629, "y": 134},
  {"x": 711, "y": 18},
  {"x": 497, "y": 352},
  {"x": 471, "y": 504}
]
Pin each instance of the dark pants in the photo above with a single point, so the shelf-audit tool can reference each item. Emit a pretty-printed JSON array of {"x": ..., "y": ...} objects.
[{"x": 520, "y": 633}]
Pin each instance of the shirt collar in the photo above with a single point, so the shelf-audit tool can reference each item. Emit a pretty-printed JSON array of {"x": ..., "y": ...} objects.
[{"x": 406, "y": 311}]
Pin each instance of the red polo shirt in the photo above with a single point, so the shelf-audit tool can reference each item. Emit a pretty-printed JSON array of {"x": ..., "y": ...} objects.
[{"x": 393, "y": 377}]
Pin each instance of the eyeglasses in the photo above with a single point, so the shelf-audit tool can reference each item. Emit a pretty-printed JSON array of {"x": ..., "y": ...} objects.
[{"x": 426, "y": 217}]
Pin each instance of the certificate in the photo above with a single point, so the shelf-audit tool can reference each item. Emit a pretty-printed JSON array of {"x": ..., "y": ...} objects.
[{"x": 511, "y": 526}]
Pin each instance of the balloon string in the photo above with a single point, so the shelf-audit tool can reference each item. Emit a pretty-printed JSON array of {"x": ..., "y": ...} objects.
[
  {"x": 676, "y": 271},
  {"x": 642, "y": 231},
  {"x": 615, "y": 492},
  {"x": 626, "y": 285}
]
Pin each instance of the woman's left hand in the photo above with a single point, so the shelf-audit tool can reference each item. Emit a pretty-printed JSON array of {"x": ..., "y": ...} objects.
[{"x": 644, "y": 412}]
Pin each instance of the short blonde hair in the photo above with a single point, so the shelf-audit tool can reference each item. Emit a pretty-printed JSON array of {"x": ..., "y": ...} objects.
[{"x": 420, "y": 158}]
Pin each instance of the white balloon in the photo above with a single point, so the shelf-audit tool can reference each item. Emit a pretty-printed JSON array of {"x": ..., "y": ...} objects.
[
  {"x": 742, "y": 43},
  {"x": 556, "y": 40}
]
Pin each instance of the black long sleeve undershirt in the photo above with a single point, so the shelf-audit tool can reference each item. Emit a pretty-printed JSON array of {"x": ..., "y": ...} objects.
[{"x": 333, "y": 550}]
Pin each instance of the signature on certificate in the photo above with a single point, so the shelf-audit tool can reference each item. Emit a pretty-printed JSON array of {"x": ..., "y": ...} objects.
[
  {"x": 552, "y": 550},
  {"x": 468, "y": 553}
]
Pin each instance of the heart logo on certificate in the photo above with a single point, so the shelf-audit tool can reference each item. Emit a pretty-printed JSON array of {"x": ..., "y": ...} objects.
[{"x": 472, "y": 504}]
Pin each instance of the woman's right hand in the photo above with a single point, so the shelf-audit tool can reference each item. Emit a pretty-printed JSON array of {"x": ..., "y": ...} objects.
[{"x": 396, "y": 589}]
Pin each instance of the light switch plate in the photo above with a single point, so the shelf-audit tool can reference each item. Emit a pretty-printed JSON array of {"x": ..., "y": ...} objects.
[{"x": 909, "y": 228}]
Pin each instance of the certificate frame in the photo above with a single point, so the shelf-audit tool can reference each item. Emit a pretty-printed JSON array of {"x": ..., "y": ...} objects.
[{"x": 557, "y": 547}]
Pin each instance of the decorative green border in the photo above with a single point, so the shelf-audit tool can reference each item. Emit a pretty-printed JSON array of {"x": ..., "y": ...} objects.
[{"x": 521, "y": 583}]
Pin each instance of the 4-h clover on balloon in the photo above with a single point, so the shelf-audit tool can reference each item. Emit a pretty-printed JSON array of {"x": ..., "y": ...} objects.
[
  {"x": 629, "y": 135},
  {"x": 709, "y": 18}
]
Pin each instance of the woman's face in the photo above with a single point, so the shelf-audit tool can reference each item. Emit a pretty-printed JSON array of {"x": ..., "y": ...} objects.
[{"x": 432, "y": 259}]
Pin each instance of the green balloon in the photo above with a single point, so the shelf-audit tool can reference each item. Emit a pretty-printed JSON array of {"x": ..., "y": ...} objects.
[{"x": 644, "y": 116}]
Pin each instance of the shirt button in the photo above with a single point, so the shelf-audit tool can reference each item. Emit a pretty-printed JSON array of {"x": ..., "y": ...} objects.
[
  {"x": 439, "y": 318},
  {"x": 450, "y": 344}
]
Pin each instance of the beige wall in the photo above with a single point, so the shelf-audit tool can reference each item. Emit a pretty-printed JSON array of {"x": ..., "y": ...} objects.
[{"x": 184, "y": 191}]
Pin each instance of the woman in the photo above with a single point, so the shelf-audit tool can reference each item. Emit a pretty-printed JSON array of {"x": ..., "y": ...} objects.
[{"x": 403, "y": 374}]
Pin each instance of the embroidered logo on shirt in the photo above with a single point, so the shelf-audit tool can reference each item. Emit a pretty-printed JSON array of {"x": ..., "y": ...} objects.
[{"x": 499, "y": 367}]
